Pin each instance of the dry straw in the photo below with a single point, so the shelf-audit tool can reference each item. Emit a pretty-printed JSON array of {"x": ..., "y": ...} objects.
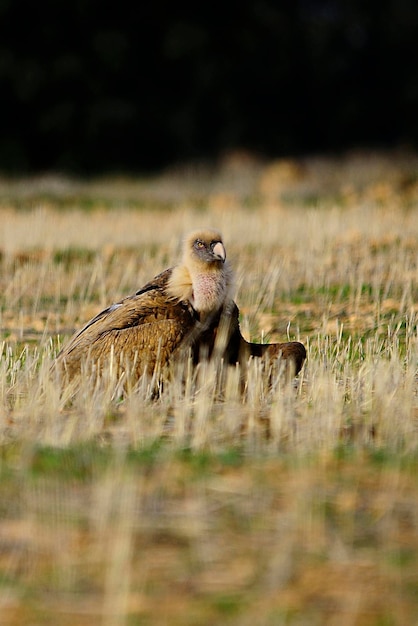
[
  {"x": 342, "y": 279},
  {"x": 251, "y": 498}
]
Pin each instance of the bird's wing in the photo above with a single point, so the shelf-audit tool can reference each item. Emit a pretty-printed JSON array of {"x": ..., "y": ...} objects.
[
  {"x": 293, "y": 351},
  {"x": 237, "y": 349},
  {"x": 140, "y": 331}
]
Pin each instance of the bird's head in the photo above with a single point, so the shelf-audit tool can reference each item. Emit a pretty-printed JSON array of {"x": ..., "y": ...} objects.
[
  {"x": 205, "y": 247},
  {"x": 204, "y": 278}
]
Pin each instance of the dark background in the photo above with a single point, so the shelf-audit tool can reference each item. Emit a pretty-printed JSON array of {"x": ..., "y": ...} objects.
[{"x": 92, "y": 86}]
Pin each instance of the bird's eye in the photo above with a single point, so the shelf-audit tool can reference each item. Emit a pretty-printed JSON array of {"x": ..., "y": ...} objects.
[{"x": 199, "y": 244}]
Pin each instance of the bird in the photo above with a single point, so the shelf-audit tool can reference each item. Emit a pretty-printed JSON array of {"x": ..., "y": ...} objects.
[
  {"x": 186, "y": 309},
  {"x": 175, "y": 311}
]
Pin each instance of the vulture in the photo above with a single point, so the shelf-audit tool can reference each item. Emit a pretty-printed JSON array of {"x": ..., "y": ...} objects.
[{"x": 180, "y": 311}]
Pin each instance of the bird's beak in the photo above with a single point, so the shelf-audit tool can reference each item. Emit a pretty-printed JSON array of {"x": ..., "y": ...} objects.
[{"x": 219, "y": 251}]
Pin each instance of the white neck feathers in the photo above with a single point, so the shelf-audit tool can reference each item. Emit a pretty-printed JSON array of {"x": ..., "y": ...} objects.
[{"x": 206, "y": 288}]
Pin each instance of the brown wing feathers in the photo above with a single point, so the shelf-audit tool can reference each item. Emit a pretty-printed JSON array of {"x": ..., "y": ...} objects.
[
  {"x": 182, "y": 307},
  {"x": 238, "y": 350},
  {"x": 139, "y": 329}
]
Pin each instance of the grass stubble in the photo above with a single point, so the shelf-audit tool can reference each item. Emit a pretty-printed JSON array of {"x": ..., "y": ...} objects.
[{"x": 290, "y": 503}]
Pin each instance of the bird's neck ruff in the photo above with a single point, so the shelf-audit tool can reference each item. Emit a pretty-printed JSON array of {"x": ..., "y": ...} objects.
[{"x": 207, "y": 289}]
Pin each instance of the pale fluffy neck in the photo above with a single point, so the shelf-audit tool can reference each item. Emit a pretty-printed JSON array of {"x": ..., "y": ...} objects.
[
  {"x": 206, "y": 289},
  {"x": 180, "y": 286}
]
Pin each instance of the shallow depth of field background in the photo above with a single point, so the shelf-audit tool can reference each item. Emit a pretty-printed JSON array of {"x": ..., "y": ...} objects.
[{"x": 292, "y": 504}]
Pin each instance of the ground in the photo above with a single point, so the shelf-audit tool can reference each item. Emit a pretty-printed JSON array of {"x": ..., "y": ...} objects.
[{"x": 291, "y": 503}]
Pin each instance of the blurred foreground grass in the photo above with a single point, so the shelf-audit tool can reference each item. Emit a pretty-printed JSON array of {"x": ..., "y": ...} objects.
[
  {"x": 296, "y": 504},
  {"x": 163, "y": 536}
]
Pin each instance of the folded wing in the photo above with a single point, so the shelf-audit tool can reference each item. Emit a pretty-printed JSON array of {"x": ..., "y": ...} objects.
[{"x": 136, "y": 333}]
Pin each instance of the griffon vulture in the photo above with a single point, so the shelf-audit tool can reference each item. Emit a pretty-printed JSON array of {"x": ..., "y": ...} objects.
[{"x": 181, "y": 309}]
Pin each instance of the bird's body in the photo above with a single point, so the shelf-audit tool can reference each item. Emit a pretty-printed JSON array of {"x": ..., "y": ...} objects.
[
  {"x": 175, "y": 311},
  {"x": 186, "y": 308}
]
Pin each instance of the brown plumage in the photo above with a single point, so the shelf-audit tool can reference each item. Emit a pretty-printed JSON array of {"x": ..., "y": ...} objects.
[
  {"x": 187, "y": 307},
  {"x": 238, "y": 350},
  {"x": 176, "y": 310}
]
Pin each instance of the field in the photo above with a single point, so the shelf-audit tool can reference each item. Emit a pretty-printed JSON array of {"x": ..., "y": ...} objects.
[{"x": 292, "y": 503}]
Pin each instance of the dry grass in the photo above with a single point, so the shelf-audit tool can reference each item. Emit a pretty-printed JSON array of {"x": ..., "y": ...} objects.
[{"x": 293, "y": 504}]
